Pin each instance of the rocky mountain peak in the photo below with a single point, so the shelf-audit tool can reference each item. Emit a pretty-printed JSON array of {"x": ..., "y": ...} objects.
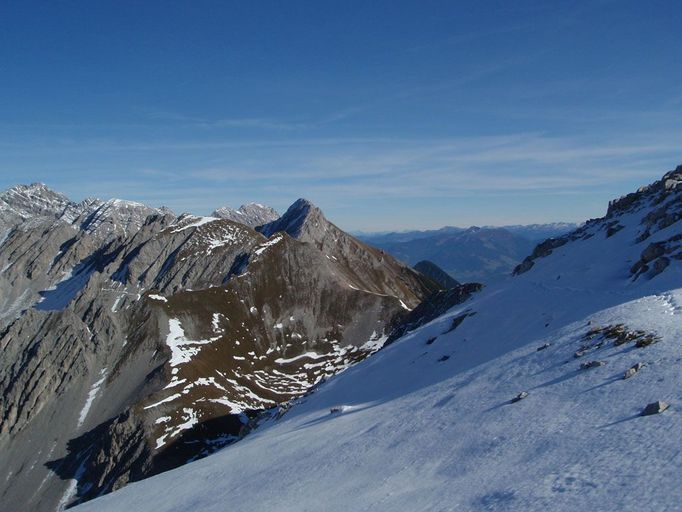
[
  {"x": 37, "y": 199},
  {"x": 250, "y": 214},
  {"x": 114, "y": 216},
  {"x": 299, "y": 220}
]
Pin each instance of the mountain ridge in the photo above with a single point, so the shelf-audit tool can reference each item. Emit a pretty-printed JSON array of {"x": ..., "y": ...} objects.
[
  {"x": 251, "y": 214},
  {"x": 134, "y": 338}
]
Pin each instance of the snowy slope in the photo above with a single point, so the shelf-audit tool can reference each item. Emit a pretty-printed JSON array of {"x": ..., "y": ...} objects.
[{"x": 428, "y": 423}]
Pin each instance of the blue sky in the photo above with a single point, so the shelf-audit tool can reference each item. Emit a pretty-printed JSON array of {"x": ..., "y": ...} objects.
[{"x": 388, "y": 115}]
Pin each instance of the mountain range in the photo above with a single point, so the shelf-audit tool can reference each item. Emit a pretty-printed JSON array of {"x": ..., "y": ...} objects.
[
  {"x": 135, "y": 341},
  {"x": 481, "y": 254},
  {"x": 558, "y": 389}
]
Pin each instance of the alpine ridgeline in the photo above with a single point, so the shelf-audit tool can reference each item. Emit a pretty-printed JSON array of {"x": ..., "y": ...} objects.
[
  {"x": 251, "y": 214},
  {"x": 134, "y": 340},
  {"x": 557, "y": 389}
]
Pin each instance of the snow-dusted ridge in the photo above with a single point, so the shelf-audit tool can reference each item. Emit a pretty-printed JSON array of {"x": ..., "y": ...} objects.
[
  {"x": 251, "y": 214},
  {"x": 429, "y": 423}
]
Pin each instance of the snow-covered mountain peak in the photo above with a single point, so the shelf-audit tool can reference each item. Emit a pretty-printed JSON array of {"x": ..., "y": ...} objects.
[
  {"x": 123, "y": 203},
  {"x": 37, "y": 202}
]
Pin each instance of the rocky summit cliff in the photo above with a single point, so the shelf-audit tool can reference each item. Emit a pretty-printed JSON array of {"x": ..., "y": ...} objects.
[{"x": 134, "y": 340}]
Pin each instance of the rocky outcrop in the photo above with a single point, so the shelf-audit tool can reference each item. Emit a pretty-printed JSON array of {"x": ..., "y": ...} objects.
[
  {"x": 633, "y": 370},
  {"x": 546, "y": 248},
  {"x": 432, "y": 307},
  {"x": 661, "y": 207},
  {"x": 655, "y": 258}
]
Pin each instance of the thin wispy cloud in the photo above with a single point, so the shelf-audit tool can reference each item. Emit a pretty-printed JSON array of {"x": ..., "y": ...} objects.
[
  {"x": 404, "y": 171},
  {"x": 398, "y": 118}
]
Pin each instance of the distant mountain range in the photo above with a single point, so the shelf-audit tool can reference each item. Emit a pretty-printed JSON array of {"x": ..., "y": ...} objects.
[{"x": 480, "y": 254}]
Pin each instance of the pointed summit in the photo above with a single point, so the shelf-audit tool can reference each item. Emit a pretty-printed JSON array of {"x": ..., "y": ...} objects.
[{"x": 300, "y": 221}]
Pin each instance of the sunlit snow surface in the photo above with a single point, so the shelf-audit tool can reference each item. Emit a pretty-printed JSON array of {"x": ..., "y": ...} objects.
[
  {"x": 411, "y": 430},
  {"x": 192, "y": 221}
]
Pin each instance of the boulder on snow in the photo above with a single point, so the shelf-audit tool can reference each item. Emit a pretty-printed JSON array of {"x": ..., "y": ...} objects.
[
  {"x": 591, "y": 364},
  {"x": 631, "y": 372},
  {"x": 656, "y": 407},
  {"x": 647, "y": 340}
]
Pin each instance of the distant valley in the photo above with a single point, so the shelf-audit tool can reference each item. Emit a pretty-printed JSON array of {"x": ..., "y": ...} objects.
[{"x": 475, "y": 254}]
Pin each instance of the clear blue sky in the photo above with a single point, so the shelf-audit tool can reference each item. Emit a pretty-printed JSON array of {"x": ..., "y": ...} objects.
[{"x": 388, "y": 115}]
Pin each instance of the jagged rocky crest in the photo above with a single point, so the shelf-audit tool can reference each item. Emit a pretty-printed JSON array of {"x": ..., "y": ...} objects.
[{"x": 251, "y": 214}]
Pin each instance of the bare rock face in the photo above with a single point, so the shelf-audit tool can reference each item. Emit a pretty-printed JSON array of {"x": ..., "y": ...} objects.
[
  {"x": 145, "y": 340},
  {"x": 251, "y": 214},
  {"x": 24, "y": 202},
  {"x": 115, "y": 217},
  {"x": 361, "y": 265}
]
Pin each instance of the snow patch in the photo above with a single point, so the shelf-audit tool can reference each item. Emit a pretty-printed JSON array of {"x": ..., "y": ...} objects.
[
  {"x": 261, "y": 248},
  {"x": 182, "y": 349},
  {"x": 92, "y": 394},
  {"x": 197, "y": 221}
]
